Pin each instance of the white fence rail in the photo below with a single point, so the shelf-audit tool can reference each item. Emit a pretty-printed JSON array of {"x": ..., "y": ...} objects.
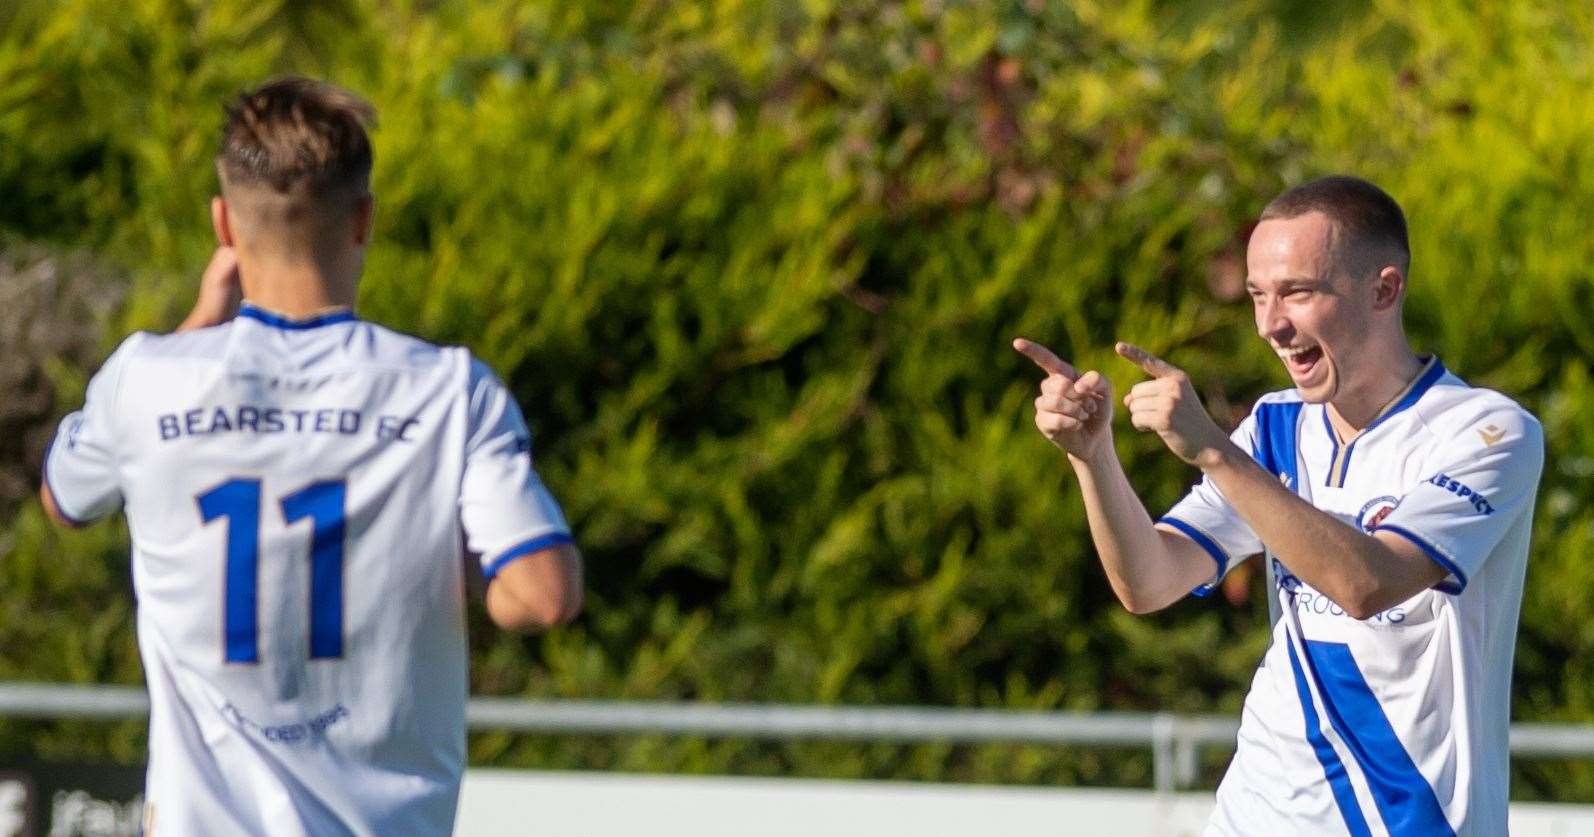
[{"x": 1175, "y": 740}]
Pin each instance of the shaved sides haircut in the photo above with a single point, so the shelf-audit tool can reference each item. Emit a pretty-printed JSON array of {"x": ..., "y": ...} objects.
[
  {"x": 300, "y": 140},
  {"x": 1369, "y": 228}
]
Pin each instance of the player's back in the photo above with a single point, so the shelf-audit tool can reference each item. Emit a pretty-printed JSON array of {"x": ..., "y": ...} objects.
[{"x": 293, "y": 491}]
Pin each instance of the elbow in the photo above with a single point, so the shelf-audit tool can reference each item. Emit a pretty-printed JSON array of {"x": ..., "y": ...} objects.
[
  {"x": 547, "y": 610},
  {"x": 1361, "y": 603},
  {"x": 560, "y": 610},
  {"x": 1359, "y": 610},
  {"x": 538, "y": 592},
  {"x": 53, "y": 511},
  {"x": 1138, "y": 603},
  {"x": 1142, "y": 608}
]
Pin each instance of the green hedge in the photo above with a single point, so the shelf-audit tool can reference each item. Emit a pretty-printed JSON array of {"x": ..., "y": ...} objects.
[{"x": 752, "y": 270}]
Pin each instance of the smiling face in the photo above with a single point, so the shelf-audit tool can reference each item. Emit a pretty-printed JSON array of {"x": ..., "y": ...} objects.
[{"x": 1318, "y": 318}]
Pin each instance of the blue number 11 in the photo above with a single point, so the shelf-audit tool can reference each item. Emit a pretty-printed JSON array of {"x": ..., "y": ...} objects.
[{"x": 239, "y": 501}]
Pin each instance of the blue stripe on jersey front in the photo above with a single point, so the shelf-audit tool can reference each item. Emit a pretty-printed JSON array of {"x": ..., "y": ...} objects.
[
  {"x": 1333, "y": 768},
  {"x": 1277, "y": 426},
  {"x": 1404, "y": 798}
]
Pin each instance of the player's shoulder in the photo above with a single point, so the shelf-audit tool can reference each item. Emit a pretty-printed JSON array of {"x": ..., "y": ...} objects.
[
  {"x": 1281, "y": 397},
  {"x": 1276, "y": 408},
  {"x": 1453, "y": 410},
  {"x": 1452, "y": 405},
  {"x": 193, "y": 344},
  {"x": 380, "y": 345}
]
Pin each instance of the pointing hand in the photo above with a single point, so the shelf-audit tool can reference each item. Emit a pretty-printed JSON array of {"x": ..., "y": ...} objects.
[
  {"x": 1168, "y": 406},
  {"x": 1074, "y": 411}
]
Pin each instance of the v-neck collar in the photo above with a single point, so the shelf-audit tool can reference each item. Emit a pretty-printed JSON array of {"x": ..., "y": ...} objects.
[{"x": 1339, "y": 459}]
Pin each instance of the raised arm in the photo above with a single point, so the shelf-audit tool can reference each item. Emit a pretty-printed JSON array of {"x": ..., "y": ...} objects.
[
  {"x": 220, "y": 292},
  {"x": 1149, "y": 568},
  {"x": 1362, "y": 573}
]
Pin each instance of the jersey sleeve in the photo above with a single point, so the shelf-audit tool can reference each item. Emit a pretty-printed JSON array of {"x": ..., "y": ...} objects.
[
  {"x": 80, "y": 467},
  {"x": 1474, "y": 491},
  {"x": 1205, "y": 516},
  {"x": 506, "y": 511}
]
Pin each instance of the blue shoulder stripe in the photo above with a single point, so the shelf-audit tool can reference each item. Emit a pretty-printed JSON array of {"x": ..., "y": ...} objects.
[{"x": 1277, "y": 431}]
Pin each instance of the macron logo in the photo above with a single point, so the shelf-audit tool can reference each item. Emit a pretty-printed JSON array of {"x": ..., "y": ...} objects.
[{"x": 1456, "y": 487}]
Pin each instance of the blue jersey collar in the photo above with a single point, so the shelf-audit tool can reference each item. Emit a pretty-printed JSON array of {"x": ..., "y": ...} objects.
[
  {"x": 271, "y": 318},
  {"x": 1431, "y": 372},
  {"x": 1339, "y": 459}
]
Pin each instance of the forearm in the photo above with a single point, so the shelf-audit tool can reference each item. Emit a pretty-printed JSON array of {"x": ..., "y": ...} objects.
[
  {"x": 220, "y": 291},
  {"x": 1353, "y": 569},
  {"x": 206, "y": 313},
  {"x": 539, "y": 591},
  {"x": 1145, "y": 571}
]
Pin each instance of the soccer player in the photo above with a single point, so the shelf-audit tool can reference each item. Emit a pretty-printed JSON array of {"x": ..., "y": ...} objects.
[
  {"x": 299, "y": 485},
  {"x": 1394, "y": 503}
]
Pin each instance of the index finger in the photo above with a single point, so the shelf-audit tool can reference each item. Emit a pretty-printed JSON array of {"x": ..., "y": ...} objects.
[
  {"x": 1044, "y": 358},
  {"x": 1154, "y": 366}
]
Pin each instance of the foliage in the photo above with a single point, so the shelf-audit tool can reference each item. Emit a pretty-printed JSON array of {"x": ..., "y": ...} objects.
[{"x": 753, "y": 268}]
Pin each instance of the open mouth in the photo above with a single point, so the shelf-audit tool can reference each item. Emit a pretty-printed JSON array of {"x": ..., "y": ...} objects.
[{"x": 1301, "y": 361}]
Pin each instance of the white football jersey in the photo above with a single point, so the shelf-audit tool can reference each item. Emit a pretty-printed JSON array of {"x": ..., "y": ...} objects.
[
  {"x": 1398, "y": 723},
  {"x": 298, "y": 494}
]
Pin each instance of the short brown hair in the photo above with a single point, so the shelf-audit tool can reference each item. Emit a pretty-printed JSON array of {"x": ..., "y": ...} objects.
[
  {"x": 1369, "y": 228},
  {"x": 298, "y": 135}
]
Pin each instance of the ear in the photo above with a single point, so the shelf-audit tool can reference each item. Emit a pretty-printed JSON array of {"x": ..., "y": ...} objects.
[
  {"x": 1388, "y": 288},
  {"x": 362, "y": 220},
  {"x": 221, "y": 222}
]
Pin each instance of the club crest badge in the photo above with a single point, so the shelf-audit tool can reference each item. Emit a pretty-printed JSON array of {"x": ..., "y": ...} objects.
[{"x": 1374, "y": 512}]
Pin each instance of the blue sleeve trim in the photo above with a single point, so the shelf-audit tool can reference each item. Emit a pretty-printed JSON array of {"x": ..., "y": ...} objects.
[
  {"x": 1433, "y": 552},
  {"x": 523, "y": 549},
  {"x": 44, "y": 477},
  {"x": 1216, "y": 552}
]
